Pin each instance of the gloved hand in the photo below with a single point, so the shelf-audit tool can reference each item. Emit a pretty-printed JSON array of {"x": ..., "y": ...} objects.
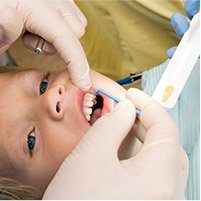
[
  {"x": 179, "y": 22},
  {"x": 93, "y": 170},
  {"x": 59, "y": 22}
]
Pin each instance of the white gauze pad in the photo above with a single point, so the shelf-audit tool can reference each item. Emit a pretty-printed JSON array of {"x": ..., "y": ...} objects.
[{"x": 180, "y": 66}]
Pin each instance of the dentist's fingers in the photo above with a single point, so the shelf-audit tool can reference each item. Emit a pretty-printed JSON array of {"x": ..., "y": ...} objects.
[
  {"x": 171, "y": 52},
  {"x": 30, "y": 41},
  {"x": 192, "y": 7},
  {"x": 11, "y": 26},
  {"x": 139, "y": 131},
  {"x": 158, "y": 124},
  {"x": 83, "y": 19},
  {"x": 108, "y": 132},
  {"x": 61, "y": 36},
  {"x": 161, "y": 144},
  {"x": 179, "y": 23},
  {"x": 69, "y": 13}
]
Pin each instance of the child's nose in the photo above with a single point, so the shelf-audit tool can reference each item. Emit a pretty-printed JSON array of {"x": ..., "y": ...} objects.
[{"x": 52, "y": 102}]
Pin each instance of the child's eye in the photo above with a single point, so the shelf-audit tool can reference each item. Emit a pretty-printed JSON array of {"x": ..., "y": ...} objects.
[
  {"x": 31, "y": 141},
  {"x": 43, "y": 85}
]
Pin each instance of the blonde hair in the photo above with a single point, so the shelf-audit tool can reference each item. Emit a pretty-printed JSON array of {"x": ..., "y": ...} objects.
[
  {"x": 9, "y": 188},
  {"x": 12, "y": 190}
]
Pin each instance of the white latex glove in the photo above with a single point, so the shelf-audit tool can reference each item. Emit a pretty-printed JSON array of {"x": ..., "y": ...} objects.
[
  {"x": 59, "y": 22},
  {"x": 93, "y": 170}
]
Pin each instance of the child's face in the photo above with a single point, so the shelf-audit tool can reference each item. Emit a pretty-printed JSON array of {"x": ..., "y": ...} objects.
[{"x": 41, "y": 121}]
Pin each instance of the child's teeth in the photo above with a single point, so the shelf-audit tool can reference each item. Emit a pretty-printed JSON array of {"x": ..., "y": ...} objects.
[
  {"x": 89, "y": 100},
  {"x": 88, "y": 103},
  {"x": 87, "y": 111},
  {"x": 88, "y": 117},
  {"x": 89, "y": 96}
]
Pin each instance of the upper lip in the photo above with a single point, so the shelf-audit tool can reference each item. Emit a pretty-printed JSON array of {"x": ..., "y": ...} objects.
[{"x": 79, "y": 103}]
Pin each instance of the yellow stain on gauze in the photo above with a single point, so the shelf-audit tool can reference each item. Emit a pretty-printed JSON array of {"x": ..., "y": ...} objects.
[{"x": 167, "y": 93}]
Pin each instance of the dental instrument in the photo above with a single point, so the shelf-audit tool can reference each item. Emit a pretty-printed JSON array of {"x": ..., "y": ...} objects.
[
  {"x": 102, "y": 91},
  {"x": 106, "y": 94},
  {"x": 130, "y": 79},
  {"x": 39, "y": 45},
  {"x": 180, "y": 66}
]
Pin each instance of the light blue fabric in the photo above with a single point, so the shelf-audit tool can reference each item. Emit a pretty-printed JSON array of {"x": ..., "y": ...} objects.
[{"x": 186, "y": 114}]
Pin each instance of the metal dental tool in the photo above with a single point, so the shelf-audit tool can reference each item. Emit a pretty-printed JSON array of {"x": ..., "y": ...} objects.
[
  {"x": 102, "y": 91},
  {"x": 39, "y": 46}
]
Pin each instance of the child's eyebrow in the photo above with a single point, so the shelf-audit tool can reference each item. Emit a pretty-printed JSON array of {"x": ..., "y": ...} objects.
[{"x": 30, "y": 79}]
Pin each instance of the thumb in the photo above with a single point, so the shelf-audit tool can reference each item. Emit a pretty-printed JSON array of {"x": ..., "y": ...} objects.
[
  {"x": 108, "y": 132},
  {"x": 156, "y": 121},
  {"x": 11, "y": 26}
]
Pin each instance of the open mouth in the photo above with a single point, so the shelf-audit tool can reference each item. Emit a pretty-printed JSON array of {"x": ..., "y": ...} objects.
[
  {"x": 96, "y": 109},
  {"x": 92, "y": 107}
]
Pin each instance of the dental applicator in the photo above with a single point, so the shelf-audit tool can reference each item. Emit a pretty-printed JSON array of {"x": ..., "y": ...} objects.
[{"x": 102, "y": 91}]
